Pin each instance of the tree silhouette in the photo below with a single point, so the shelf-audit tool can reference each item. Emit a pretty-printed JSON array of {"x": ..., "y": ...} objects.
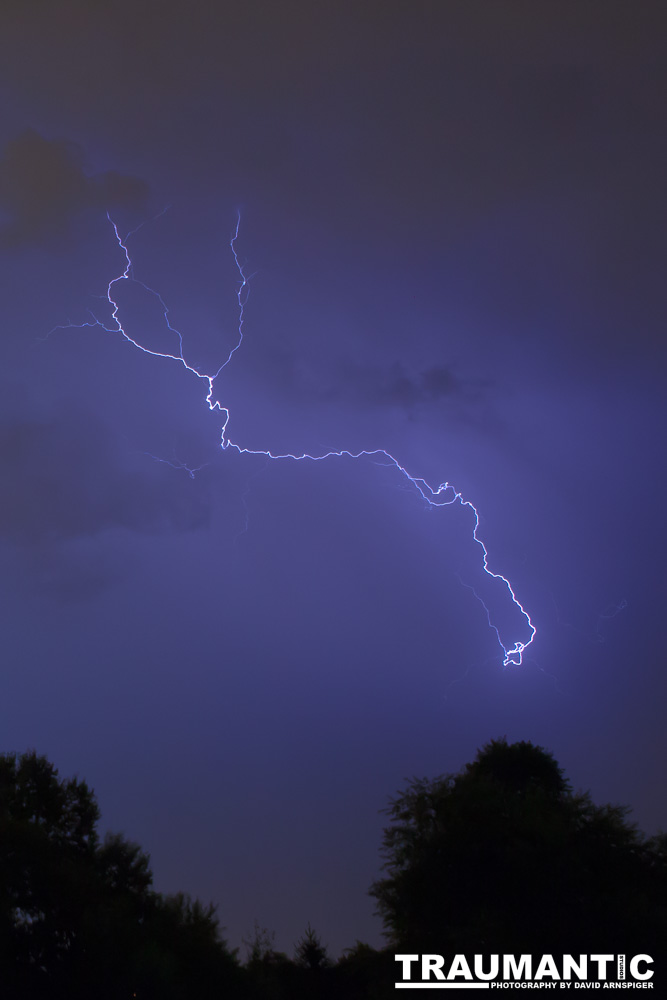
[
  {"x": 501, "y": 857},
  {"x": 364, "y": 973},
  {"x": 48, "y": 851},
  {"x": 310, "y": 953},
  {"x": 78, "y": 916},
  {"x": 504, "y": 856},
  {"x": 261, "y": 947}
]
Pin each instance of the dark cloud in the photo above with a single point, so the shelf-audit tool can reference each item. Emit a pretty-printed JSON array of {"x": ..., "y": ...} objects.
[
  {"x": 396, "y": 386},
  {"x": 364, "y": 384},
  {"x": 65, "y": 480},
  {"x": 44, "y": 188}
]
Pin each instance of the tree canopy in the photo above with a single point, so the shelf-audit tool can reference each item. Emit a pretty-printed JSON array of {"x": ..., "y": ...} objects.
[
  {"x": 78, "y": 916},
  {"x": 501, "y": 857},
  {"x": 504, "y": 856}
]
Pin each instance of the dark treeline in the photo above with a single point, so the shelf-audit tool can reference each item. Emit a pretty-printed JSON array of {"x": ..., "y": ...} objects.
[{"x": 502, "y": 857}]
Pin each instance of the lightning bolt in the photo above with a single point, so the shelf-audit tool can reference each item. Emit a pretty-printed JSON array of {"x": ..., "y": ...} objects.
[{"x": 442, "y": 495}]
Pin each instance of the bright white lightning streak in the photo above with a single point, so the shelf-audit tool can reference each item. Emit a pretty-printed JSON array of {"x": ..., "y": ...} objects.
[{"x": 443, "y": 495}]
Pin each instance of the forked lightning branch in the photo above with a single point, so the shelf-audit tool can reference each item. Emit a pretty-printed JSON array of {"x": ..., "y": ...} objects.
[{"x": 440, "y": 495}]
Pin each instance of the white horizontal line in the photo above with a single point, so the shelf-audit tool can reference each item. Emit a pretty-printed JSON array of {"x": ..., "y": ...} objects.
[{"x": 441, "y": 986}]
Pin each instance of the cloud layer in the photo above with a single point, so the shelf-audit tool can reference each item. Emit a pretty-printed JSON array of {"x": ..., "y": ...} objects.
[{"x": 44, "y": 188}]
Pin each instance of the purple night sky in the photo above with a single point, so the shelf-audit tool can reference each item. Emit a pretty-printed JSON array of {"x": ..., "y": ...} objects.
[{"x": 453, "y": 216}]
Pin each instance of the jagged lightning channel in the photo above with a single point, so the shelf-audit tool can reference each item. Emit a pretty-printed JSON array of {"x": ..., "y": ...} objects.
[{"x": 439, "y": 496}]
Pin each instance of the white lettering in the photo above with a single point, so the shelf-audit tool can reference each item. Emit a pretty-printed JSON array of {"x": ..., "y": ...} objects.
[
  {"x": 432, "y": 963},
  {"x": 519, "y": 969},
  {"x": 407, "y": 961},
  {"x": 602, "y": 961},
  {"x": 479, "y": 967},
  {"x": 634, "y": 967},
  {"x": 459, "y": 967},
  {"x": 547, "y": 967},
  {"x": 570, "y": 965}
]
